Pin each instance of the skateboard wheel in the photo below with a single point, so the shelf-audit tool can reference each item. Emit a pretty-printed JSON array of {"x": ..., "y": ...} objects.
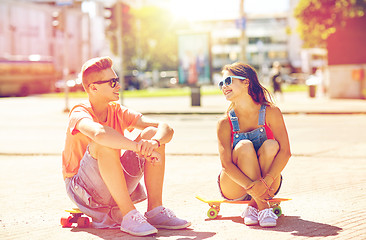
[
  {"x": 277, "y": 210},
  {"x": 212, "y": 213},
  {"x": 65, "y": 222},
  {"x": 83, "y": 222}
]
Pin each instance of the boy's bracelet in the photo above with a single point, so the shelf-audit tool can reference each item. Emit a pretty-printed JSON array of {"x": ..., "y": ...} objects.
[
  {"x": 156, "y": 140},
  {"x": 137, "y": 147}
]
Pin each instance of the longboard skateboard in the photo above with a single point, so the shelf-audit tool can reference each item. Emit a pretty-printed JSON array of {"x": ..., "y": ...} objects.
[
  {"x": 75, "y": 216},
  {"x": 215, "y": 205}
]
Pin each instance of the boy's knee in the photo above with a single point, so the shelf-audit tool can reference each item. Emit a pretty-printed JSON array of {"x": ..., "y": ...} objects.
[
  {"x": 148, "y": 132},
  {"x": 97, "y": 150}
]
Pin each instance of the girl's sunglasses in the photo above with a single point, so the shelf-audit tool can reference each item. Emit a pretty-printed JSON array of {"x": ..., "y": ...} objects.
[
  {"x": 229, "y": 80},
  {"x": 112, "y": 82}
]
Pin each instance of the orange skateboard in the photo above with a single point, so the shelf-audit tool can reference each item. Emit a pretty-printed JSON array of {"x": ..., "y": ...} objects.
[
  {"x": 215, "y": 205},
  {"x": 76, "y": 216}
]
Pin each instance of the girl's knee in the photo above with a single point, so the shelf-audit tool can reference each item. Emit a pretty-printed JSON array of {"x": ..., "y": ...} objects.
[
  {"x": 244, "y": 147},
  {"x": 267, "y": 152},
  {"x": 269, "y": 148},
  {"x": 244, "y": 154}
]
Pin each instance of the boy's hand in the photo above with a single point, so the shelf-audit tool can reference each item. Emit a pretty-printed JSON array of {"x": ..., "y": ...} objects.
[
  {"x": 146, "y": 147},
  {"x": 154, "y": 158}
]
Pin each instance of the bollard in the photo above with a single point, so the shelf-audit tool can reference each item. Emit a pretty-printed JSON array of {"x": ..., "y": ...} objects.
[
  {"x": 195, "y": 96},
  {"x": 312, "y": 91}
]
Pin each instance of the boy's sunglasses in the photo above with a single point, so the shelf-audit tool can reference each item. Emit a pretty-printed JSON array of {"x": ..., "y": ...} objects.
[
  {"x": 229, "y": 80},
  {"x": 112, "y": 82}
]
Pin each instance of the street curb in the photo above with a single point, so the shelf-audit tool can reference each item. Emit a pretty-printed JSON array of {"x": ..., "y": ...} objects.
[{"x": 284, "y": 112}]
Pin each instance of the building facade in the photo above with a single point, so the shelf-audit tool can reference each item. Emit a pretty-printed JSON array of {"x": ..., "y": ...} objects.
[{"x": 268, "y": 38}]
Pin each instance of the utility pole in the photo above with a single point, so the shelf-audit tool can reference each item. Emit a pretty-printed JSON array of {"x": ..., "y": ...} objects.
[
  {"x": 59, "y": 21},
  {"x": 65, "y": 70},
  {"x": 243, "y": 39},
  {"x": 120, "y": 47}
]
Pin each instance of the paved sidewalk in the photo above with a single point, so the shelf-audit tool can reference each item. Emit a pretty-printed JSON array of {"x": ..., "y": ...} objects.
[
  {"x": 325, "y": 177},
  {"x": 292, "y": 103}
]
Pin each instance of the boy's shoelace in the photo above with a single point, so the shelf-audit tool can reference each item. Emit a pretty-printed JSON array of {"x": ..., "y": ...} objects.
[
  {"x": 168, "y": 212},
  {"x": 138, "y": 218}
]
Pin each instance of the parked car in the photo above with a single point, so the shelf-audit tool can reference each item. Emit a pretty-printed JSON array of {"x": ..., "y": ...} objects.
[
  {"x": 74, "y": 83},
  {"x": 287, "y": 79}
]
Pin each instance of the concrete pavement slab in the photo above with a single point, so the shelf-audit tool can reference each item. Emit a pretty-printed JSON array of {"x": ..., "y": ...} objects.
[
  {"x": 322, "y": 205},
  {"x": 324, "y": 177}
]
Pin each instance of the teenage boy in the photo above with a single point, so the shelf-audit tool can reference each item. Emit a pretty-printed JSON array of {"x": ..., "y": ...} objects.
[{"x": 103, "y": 181}]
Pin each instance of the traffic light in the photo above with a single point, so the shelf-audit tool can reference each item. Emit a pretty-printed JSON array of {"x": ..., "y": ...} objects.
[
  {"x": 126, "y": 18},
  {"x": 58, "y": 20},
  {"x": 110, "y": 16}
]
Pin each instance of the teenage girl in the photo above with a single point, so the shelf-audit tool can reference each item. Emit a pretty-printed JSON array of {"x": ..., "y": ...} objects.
[{"x": 253, "y": 144}]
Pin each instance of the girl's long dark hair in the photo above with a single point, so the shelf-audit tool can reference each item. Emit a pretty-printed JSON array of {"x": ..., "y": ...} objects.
[{"x": 258, "y": 93}]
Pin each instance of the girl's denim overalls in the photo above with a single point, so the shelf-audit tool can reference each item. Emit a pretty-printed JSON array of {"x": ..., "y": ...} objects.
[{"x": 256, "y": 136}]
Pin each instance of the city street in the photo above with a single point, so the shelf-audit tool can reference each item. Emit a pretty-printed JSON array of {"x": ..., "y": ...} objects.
[
  {"x": 325, "y": 177},
  {"x": 179, "y": 62}
]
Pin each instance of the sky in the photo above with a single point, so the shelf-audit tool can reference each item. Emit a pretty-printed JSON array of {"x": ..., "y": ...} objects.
[
  {"x": 224, "y": 9},
  {"x": 212, "y": 9}
]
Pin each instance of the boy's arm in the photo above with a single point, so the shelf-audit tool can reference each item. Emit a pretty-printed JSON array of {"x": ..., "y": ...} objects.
[
  {"x": 163, "y": 134},
  {"x": 105, "y": 135}
]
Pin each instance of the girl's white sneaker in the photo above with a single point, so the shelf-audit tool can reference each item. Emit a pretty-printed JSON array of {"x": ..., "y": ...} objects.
[
  {"x": 267, "y": 218},
  {"x": 250, "y": 216}
]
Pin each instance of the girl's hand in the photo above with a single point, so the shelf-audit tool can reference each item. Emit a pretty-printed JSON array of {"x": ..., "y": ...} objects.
[
  {"x": 258, "y": 190},
  {"x": 266, "y": 196}
]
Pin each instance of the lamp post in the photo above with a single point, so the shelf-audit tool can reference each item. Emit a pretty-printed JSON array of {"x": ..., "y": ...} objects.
[
  {"x": 243, "y": 39},
  {"x": 120, "y": 48}
]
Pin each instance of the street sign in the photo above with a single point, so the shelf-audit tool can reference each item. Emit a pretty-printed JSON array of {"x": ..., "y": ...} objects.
[
  {"x": 241, "y": 23},
  {"x": 64, "y": 2}
]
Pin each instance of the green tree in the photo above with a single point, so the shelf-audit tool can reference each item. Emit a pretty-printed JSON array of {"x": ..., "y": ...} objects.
[
  {"x": 317, "y": 19},
  {"x": 156, "y": 38},
  {"x": 149, "y": 41}
]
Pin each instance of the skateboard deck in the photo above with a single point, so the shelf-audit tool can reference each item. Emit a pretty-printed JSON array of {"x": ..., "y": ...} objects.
[
  {"x": 215, "y": 205},
  {"x": 75, "y": 216}
]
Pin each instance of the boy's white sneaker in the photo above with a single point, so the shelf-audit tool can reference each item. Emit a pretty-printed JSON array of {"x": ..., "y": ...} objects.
[
  {"x": 135, "y": 223},
  {"x": 161, "y": 217},
  {"x": 267, "y": 218},
  {"x": 250, "y": 216}
]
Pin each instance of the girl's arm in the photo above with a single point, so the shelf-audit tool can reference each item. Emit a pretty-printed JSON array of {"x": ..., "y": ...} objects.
[
  {"x": 225, "y": 151},
  {"x": 276, "y": 123}
]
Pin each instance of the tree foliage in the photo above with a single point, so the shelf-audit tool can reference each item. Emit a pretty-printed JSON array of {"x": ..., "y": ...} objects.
[
  {"x": 319, "y": 18},
  {"x": 150, "y": 41}
]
